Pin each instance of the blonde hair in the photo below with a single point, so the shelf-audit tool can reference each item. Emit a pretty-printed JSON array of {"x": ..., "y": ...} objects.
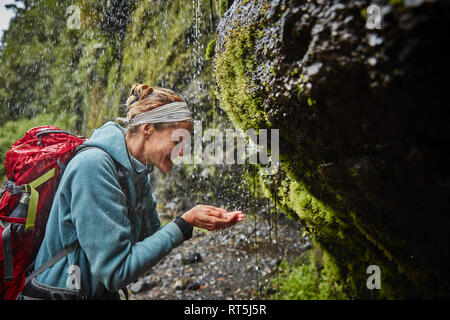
[{"x": 143, "y": 98}]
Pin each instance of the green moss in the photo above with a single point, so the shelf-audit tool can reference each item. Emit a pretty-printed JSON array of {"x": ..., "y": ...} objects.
[
  {"x": 237, "y": 91},
  {"x": 294, "y": 72},
  {"x": 150, "y": 58},
  {"x": 210, "y": 49},
  {"x": 396, "y": 2},
  {"x": 311, "y": 102},
  {"x": 272, "y": 71},
  {"x": 223, "y": 5},
  {"x": 363, "y": 13},
  {"x": 307, "y": 279}
]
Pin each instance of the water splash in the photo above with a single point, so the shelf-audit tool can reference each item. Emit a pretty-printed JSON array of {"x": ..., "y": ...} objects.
[
  {"x": 275, "y": 222},
  {"x": 255, "y": 233}
]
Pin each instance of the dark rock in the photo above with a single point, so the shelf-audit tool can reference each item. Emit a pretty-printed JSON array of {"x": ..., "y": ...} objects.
[
  {"x": 137, "y": 286},
  {"x": 142, "y": 285},
  {"x": 241, "y": 241},
  {"x": 266, "y": 290},
  {"x": 193, "y": 286},
  {"x": 191, "y": 258},
  {"x": 363, "y": 130}
]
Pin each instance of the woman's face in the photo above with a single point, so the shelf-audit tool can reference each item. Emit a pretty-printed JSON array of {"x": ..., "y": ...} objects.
[{"x": 158, "y": 145}]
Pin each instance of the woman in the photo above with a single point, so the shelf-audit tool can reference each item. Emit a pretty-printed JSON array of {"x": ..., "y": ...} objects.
[{"x": 104, "y": 204}]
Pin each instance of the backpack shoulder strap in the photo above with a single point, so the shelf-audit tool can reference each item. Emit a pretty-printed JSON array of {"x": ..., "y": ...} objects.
[{"x": 61, "y": 254}]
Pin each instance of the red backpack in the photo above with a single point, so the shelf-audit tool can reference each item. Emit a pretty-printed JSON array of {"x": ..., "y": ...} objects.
[{"x": 34, "y": 165}]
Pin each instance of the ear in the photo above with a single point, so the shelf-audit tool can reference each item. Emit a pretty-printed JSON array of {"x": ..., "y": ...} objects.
[{"x": 147, "y": 129}]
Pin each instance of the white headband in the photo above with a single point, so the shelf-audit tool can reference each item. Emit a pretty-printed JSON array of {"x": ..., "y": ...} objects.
[{"x": 171, "y": 112}]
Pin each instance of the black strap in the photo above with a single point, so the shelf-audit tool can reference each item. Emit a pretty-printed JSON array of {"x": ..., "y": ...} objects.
[
  {"x": 42, "y": 133},
  {"x": 45, "y": 132},
  {"x": 61, "y": 254},
  {"x": 125, "y": 292},
  {"x": 8, "y": 264},
  {"x": 8, "y": 261}
]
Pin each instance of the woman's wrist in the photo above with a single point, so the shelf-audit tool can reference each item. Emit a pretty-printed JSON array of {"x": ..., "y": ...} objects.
[
  {"x": 185, "y": 227},
  {"x": 188, "y": 217}
]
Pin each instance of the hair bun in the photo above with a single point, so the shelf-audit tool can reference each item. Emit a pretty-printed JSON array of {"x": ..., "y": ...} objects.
[{"x": 138, "y": 92}]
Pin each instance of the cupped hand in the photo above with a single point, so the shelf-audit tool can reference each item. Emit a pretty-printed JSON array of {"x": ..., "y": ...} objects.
[{"x": 212, "y": 218}]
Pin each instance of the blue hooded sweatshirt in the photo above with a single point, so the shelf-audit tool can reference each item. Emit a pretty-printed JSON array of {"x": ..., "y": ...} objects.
[{"x": 90, "y": 206}]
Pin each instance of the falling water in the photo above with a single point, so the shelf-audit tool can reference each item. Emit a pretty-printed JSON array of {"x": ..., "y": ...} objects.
[
  {"x": 275, "y": 223},
  {"x": 255, "y": 232}
]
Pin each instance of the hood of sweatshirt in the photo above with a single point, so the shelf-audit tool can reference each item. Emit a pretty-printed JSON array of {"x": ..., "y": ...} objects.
[{"x": 111, "y": 138}]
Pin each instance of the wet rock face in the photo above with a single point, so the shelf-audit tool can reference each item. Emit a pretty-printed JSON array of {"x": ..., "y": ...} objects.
[{"x": 362, "y": 122}]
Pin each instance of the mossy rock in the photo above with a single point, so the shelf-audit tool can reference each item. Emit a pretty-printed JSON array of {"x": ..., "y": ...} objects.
[{"x": 362, "y": 129}]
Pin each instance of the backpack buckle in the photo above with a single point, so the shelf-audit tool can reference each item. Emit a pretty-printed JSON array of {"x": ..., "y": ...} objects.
[{"x": 12, "y": 187}]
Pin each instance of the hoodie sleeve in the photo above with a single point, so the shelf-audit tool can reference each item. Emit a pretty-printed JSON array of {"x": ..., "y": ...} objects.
[{"x": 100, "y": 215}]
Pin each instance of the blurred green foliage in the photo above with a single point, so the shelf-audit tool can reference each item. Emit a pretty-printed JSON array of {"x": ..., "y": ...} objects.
[{"x": 306, "y": 279}]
